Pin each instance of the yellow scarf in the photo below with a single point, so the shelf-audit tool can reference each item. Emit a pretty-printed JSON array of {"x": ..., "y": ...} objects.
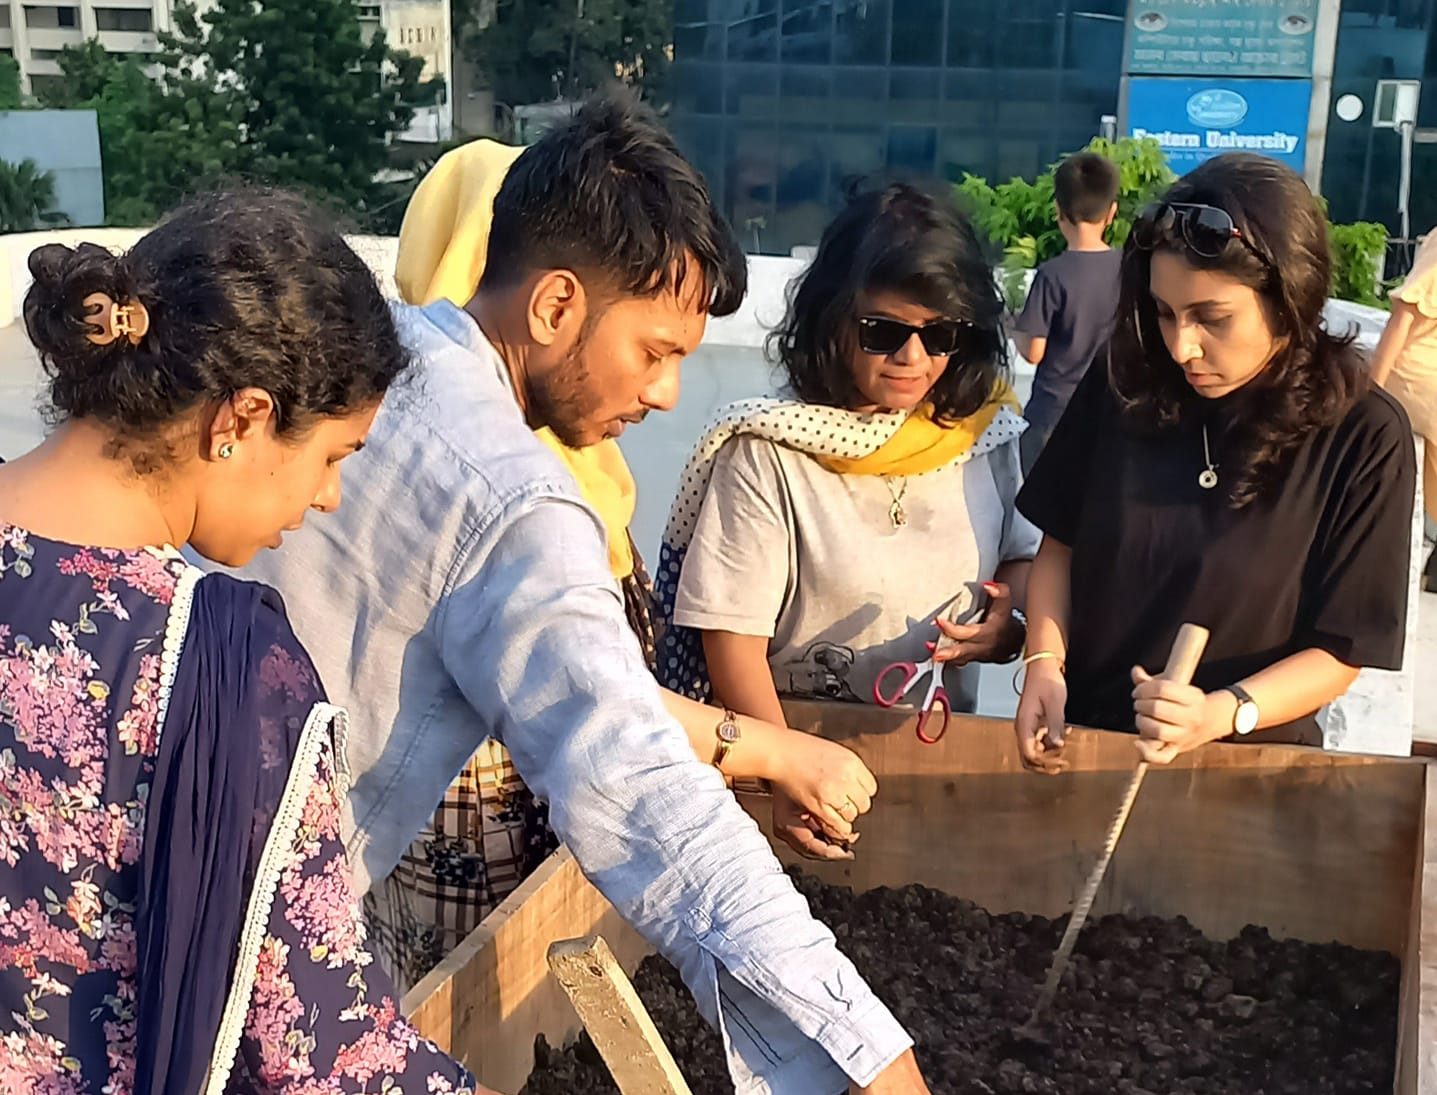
[
  {"x": 442, "y": 248},
  {"x": 608, "y": 486},
  {"x": 921, "y": 444},
  {"x": 445, "y": 236}
]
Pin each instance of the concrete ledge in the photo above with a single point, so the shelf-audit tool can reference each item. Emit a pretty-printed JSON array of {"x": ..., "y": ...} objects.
[{"x": 377, "y": 251}]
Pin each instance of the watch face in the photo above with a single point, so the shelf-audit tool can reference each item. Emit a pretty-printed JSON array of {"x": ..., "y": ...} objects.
[
  {"x": 1246, "y": 719},
  {"x": 728, "y": 731}
]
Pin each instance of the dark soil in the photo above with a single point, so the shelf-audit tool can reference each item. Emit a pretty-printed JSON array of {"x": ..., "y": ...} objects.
[{"x": 1148, "y": 1006}]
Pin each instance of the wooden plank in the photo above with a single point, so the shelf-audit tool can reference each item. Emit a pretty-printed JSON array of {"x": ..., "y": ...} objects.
[
  {"x": 616, "y": 1019},
  {"x": 1417, "y": 1038},
  {"x": 1310, "y": 845},
  {"x": 1227, "y": 836},
  {"x": 492, "y": 995}
]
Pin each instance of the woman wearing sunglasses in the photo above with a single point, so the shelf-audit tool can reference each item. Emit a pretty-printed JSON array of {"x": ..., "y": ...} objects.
[
  {"x": 818, "y": 537},
  {"x": 1232, "y": 466}
]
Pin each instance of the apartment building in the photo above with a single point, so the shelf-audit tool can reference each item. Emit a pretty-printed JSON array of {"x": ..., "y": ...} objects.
[
  {"x": 421, "y": 28},
  {"x": 35, "y": 31}
]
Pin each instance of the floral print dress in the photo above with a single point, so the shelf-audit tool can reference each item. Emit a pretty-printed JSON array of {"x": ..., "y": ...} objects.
[{"x": 88, "y": 642}]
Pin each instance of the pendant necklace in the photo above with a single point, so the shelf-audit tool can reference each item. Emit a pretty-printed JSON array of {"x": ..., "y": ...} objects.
[
  {"x": 1207, "y": 479},
  {"x": 896, "y": 513}
]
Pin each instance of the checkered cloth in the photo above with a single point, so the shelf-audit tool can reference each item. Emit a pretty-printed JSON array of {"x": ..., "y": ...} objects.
[{"x": 486, "y": 837}]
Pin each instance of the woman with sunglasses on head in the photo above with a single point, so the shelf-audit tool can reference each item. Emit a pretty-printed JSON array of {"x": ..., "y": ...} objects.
[
  {"x": 1230, "y": 465},
  {"x": 817, "y": 538},
  {"x": 176, "y": 915}
]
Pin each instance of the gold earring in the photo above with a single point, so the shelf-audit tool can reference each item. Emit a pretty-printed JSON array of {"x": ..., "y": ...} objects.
[{"x": 226, "y": 451}]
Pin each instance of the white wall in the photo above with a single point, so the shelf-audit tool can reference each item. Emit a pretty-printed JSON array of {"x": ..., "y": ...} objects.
[
  {"x": 378, "y": 251},
  {"x": 66, "y": 143}
]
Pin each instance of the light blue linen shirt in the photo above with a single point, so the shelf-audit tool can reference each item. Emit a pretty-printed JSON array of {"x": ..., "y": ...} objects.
[{"x": 462, "y": 591}]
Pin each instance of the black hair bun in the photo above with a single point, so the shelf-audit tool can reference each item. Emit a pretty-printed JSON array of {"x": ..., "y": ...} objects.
[
  {"x": 64, "y": 277},
  {"x": 55, "y": 314}
]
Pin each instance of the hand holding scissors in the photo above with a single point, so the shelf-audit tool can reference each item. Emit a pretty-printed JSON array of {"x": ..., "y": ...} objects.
[
  {"x": 897, "y": 680},
  {"x": 997, "y": 637}
]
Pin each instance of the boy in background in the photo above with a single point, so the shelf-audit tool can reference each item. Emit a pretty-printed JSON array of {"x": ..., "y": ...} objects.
[{"x": 1070, "y": 308}]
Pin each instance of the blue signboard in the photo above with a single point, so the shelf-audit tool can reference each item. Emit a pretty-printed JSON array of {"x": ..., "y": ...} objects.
[
  {"x": 1221, "y": 37},
  {"x": 1196, "y": 119}
]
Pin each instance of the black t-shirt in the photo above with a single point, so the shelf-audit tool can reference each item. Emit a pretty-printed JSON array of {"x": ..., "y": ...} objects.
[
  {"x": 1071, "y": 304},
  {"x": 1322, "y": 564}
]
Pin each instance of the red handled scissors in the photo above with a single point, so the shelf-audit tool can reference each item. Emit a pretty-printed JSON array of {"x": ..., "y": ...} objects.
[
  {"x": 888, "y": 692},
  {"x": 897, "y": 680}
]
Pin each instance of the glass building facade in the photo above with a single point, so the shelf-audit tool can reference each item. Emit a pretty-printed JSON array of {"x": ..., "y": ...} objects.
[
  {"x": 1382, "y": 40},
  {"x": 780, "y": 102}
]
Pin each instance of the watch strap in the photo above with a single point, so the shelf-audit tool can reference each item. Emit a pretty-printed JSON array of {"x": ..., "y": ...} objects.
[
  {"x": 1244, "y": 699},
  {"x": 727, "y": 733}
]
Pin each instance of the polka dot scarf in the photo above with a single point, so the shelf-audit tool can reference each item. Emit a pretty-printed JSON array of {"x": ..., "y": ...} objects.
[{"x": 831, "y": 435}]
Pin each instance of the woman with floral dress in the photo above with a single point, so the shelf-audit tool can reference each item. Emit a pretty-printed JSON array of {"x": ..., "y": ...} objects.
[{"x": 176, "y": 915}]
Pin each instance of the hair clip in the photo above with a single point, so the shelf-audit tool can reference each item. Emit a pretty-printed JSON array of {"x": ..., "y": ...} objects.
[{"x": 110, "y": 320}]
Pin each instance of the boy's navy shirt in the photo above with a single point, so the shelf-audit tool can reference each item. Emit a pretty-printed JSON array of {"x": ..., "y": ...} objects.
[{"x": 1072, "y": 303}]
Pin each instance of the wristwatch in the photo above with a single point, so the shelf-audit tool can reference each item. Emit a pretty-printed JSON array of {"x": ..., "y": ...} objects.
[
  {"x": 728, "y": 734},
  {"x": 1245, "y": 718}
]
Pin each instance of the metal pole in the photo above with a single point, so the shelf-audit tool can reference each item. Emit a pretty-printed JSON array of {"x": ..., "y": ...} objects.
[
  {"x": 1319, "y": 107},
  {"x": 574, "y": 49},
  {"x": 1404, "y": 179}
]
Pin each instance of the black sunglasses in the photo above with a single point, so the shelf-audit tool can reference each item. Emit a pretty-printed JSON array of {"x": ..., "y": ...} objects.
[
  {"x": 1205, "y": 230},
  {"x": 878, "y": 335}
]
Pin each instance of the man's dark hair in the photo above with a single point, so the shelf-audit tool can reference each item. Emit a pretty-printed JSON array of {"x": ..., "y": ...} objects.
[
  {"x": 1085, "y": 186},
  {"x": 608, "y": 194}
]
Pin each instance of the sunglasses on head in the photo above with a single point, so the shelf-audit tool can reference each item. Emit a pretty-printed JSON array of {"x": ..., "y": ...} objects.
[
  {"x": 1205, "y": 230},
  {"x": 880, "y": 335}
]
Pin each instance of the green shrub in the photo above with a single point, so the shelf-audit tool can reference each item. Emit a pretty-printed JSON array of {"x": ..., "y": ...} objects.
[
  {"x": 1018, "y": 218},
  {"x": 1019, "y": 208},
  {"x": 1018, "y": 258},
  {"x": 1358, "y": 251}
]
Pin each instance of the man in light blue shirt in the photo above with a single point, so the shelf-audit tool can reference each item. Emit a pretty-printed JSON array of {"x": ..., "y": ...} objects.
[{"x": 463, "y": 591}]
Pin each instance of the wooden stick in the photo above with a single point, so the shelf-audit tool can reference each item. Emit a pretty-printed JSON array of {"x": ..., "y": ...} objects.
[
  {"x": 615, "y": 1018},
  {"x": 1182, "y": 664}
]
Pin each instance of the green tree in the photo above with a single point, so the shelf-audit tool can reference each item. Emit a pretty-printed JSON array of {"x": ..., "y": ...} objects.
[
  {"x": 280, "y": 91},
  {"x": 27, "y": 197},
  {"x": 317, "y": 104},
  {"x": 11, "y": 97},
  {"x": 159, "y": 138},
  {"x": 537, "y": 50}
]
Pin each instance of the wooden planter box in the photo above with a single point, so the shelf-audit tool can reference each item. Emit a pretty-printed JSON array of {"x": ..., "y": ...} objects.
[{"x": 1315, "y": 846}]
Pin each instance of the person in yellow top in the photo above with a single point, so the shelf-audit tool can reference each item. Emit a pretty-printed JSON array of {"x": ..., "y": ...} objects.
[
  {"x": 1405, "y": 363},
  {"x": 442, "y": 248},
  {"x": 488, "y": 833}
]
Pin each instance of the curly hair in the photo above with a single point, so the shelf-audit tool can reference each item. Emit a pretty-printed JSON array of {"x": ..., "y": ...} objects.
[
  {"x": 245, "y": 288},
  {"x": 904, "y": 240},
  {"x": 1315, "y": 377}
]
